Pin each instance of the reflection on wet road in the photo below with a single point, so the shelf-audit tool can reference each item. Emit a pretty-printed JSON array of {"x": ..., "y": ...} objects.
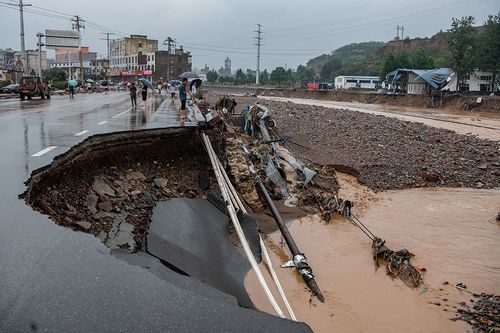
[{"x": 49, "y": 127}]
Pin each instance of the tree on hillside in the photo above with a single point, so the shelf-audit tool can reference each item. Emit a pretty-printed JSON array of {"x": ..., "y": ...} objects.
[
  {"x": 488, "y": 55},
  {"x": 278, "y": 76},
  {"x": 212, "y": 76},
  {"x": 240, "y": 77},
  {"x": 55, "y": 74},
  {"x": 331, "y": 69},
  {"x": 461, "y": 43},
  {"x": 304, "y": 74},
  {"x": 421, "y": 59},
  {"x": 264, "y": 77},
  {"x": 393, "y": 61}
]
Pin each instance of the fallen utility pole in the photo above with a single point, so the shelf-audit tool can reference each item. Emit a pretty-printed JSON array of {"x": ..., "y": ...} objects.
[{"x": 299, "y": 260}]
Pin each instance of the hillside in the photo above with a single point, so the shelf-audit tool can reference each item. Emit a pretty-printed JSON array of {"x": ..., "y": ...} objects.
[{"x": 367, "y": 58}]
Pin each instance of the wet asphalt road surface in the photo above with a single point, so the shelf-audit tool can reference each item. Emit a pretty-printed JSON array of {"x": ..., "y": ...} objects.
[{"x": 55, "y": 279}]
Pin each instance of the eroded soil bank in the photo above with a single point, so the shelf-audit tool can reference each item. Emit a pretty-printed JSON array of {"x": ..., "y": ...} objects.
[
  {"x": 452, "y": 232},
  {"x": 108, "y": 184}
]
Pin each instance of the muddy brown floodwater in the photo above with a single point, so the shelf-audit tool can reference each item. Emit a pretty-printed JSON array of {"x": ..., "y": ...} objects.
[{"x": 452, "y": 232}]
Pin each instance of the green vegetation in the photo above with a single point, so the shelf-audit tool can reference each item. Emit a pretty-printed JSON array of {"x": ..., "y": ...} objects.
[
  {"x": 488, "y": 50},
  {"x": 462, "y": 44}
]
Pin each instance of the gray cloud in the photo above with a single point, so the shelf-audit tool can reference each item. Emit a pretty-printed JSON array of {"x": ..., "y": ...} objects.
[{"x": 294, "y": 31}]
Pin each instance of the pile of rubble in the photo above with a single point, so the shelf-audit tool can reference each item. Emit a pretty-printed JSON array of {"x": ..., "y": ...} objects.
[
  {"x": 385, "y": 153},
  {"x": 483, "y": 314}
]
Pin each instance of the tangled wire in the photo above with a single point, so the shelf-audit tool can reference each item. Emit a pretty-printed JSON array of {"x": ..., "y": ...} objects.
[{"x": 398, "y": 263}]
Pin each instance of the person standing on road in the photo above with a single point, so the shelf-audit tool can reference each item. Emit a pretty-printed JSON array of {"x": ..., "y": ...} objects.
[
  {"x": 183, "y": 96},
  {"x": 144, "y": 93},
  {"x": 71, "y": 91},
  {"x": 133, "y": 94},
  {"x": 172, "y": 91}
]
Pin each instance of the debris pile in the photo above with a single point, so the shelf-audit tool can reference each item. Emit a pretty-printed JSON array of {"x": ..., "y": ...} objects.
[
  {"x": 483, "y": 315},
  {"x": 398, "y": 263},
  {"x": 385, "y": 153}
]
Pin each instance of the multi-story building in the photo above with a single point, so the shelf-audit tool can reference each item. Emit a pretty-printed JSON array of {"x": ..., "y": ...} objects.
[
  {"x": 7, "y": 57},
  {"x": 69, "y": 60},
  {"x": 32, "y": 58},
  {"x": 226, "y": 70},
  {"x": 136, "y": 56}
]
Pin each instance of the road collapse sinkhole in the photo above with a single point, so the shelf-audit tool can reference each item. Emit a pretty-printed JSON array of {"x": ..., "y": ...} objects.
[{"x": 108, "y": 185}]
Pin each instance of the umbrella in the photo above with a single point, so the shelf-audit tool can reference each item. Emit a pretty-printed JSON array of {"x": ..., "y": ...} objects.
[
  {"x": 189, "y": 75},
  {"x": 90, "y": 81},
  {"x": 175, "y": 82},
  {"x": 195, "y": 82},
  {"x": 104, "y": 83},
  {"x": 72, "y": 83},
  {"x": 146, "y": 83}
]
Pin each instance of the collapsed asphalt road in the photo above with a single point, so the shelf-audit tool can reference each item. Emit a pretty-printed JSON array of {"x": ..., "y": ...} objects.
[
  {"x": 55, "y": 279},
  {"x": 385, "y": 153}
]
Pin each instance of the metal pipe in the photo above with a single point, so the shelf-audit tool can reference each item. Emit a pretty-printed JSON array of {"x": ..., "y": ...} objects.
[
  {"x": 237, "y": 226},
  {"x": 298, "y": 257},
  {"x": 265, "y": 254}
]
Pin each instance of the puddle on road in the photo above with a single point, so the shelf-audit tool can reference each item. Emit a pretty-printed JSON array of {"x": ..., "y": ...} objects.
[{"x": 452, "y": 232}]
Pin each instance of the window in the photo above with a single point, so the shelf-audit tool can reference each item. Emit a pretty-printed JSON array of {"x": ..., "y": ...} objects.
[
  {"x": 351, "y": 81},
  {"x": 153, "y": 57},
  {"x": 485, "y": 78},
  {"x": 149, "y": 58},
  {"x": 140, "y": 44}
]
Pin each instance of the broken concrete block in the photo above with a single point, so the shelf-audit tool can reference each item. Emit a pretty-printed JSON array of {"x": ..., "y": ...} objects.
[{"x": 102, "y": 188}]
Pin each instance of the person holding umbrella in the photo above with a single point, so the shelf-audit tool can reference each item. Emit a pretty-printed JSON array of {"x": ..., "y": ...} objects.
[
  {"x": 133, "y": 94},
  {"x": 71, "y": 86},
  {"x": 144, "y": 93},
  {"x": 183, "y": 97}
]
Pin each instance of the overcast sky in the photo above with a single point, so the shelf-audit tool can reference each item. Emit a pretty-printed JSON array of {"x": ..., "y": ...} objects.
[{"x": 293, "y": 31}]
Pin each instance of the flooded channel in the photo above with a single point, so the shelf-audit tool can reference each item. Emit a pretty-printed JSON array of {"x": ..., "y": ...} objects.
[{"x": 452, "y": 232}]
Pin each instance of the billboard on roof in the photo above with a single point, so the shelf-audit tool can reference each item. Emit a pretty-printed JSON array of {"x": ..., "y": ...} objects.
[{"x": 62, "y": 39}]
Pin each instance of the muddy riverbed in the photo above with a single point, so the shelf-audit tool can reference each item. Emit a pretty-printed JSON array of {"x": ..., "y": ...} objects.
[
  {"x": 384, "y": 153},
  {"x": 452, "y": 232}
]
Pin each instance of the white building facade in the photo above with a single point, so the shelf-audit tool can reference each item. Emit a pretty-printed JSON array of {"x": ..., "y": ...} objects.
[{"x": 360, "y": 82}]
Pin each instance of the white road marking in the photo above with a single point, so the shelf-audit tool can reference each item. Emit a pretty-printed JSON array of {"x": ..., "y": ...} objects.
[
  {"x": 44, "y": 151},
  {"x": 102, "y": 122},
  {"x": 81, "y": 133},
  {"x": 119, "y": 114}
]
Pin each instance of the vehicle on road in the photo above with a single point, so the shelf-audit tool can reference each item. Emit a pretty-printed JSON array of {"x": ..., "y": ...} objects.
[
  {"x": 30, "y": 86},
  {"x": 11, "y": 89}
]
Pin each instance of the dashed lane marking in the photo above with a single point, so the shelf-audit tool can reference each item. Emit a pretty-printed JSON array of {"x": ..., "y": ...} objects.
[
  {"x": 119, "y": 114},
  {"x": 103, "y": 122},
  {"x": 81, "y": 133},
  {"x": 44, "y": 151}
]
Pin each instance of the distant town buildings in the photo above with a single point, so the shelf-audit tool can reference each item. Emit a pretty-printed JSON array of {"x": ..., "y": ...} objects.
[
  {"x": 226, "y": 70},
  {"x": 69, "y": 60},
  {"x": 11, "y": 60},
  {"x": 138, "y": 56}
]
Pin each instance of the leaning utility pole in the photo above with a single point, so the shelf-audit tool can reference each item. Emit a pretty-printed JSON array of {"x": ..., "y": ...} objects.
[
  {"x": 40, "y": 44},
  {"x": 21, "y": 24},
  {"x": 77, "y": 25},
  {"x": 107, "y": 40},
  {"x": 259, "y": 38},
  {"x": 169, "y": 42}
]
